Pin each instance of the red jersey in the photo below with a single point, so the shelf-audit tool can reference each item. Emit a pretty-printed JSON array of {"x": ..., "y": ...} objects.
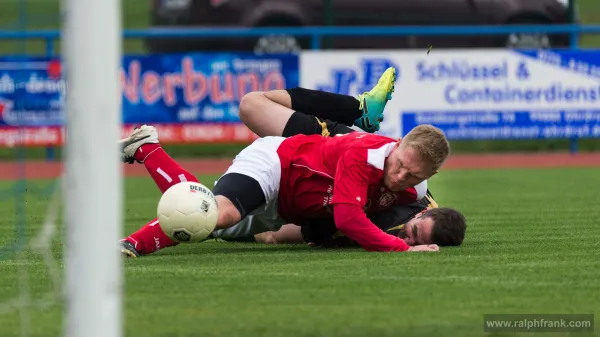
[{"x": 318, "y": 173}]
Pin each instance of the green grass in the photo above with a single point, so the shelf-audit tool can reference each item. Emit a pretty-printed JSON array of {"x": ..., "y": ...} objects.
[
  {"x": 44, "y": 14},
  {"x": 531, "y": 247}
]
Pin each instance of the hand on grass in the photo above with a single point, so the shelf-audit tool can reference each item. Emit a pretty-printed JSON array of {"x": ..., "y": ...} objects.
[{"x": 424, "y": 248}]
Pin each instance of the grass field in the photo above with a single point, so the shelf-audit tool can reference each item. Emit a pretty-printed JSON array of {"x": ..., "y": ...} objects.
[
  {"x": 44, "y": 14},
  {"x": 531, "y": 247}
]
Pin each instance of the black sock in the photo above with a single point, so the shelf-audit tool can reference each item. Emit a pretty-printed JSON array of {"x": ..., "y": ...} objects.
[{"x": 335, "y": 107}]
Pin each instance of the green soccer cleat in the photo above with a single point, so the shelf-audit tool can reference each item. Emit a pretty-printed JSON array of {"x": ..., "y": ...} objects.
[{"x": 373, "y": 103}]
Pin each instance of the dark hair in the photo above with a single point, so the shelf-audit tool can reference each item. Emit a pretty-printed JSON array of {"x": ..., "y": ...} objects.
[{"x": 449, "y": 226}]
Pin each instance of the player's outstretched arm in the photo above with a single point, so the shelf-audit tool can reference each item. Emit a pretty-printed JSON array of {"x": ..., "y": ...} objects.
[
  {"x": 350, "y": 197},
  {"x": 289, "y": 233},
  {"x": 352, "y": 221}
]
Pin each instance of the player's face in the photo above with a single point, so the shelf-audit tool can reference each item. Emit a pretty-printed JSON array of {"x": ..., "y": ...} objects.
[
  {"x": 404, "y": 168},
  {"x": 417, "y": 231}
]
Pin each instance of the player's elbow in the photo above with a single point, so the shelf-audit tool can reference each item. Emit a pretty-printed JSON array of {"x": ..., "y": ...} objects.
[{"x": 343, "y": 215}]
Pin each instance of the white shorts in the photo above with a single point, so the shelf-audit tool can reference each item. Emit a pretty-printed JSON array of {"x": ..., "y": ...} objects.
[{"x": 260, "y": 162}]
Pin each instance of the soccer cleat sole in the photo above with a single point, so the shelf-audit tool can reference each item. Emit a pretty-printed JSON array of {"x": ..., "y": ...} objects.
[
  {"x": 128, "y": 253},
  {"x": 128, "y": 141},
  {"x": 393, "y": 88}
]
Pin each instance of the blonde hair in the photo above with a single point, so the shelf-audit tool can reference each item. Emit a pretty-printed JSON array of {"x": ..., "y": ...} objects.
[{"x": 431, "y": 144}]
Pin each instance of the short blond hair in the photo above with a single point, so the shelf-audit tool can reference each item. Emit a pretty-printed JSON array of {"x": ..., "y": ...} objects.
[{"x": 431, "y": 144}]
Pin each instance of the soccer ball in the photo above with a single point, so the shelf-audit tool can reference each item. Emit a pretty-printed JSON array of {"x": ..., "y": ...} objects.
[{"x": 187, "y": 212}]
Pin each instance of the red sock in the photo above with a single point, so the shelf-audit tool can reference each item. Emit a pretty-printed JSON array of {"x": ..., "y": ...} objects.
[
  {"x": 164, "y": 170},
  {"x": 150, "y": 238}
]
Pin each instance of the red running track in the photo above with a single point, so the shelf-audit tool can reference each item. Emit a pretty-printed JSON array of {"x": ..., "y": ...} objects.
[{"x": 43, "y": 169}]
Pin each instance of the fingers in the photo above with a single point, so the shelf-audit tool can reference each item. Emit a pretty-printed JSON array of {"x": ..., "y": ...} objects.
[
  {"x": 424, "y": 248},
  {"x": 434, "y": 248}
]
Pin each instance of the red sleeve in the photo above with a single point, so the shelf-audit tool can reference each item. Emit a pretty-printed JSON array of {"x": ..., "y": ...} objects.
[
  {"x": 351, "y": 181},
  {"x": 349, "y": 199},
  {"x": 353, "y": 222}
]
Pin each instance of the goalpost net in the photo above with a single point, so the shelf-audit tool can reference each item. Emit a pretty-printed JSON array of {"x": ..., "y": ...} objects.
[{"x": 60, "y": 268}]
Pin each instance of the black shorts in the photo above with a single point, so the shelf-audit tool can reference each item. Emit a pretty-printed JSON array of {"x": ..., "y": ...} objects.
[
  {"x": 243, "y": 191},
  {"x": 324, "y": 232},
  {"x": 303, "y": 124}
]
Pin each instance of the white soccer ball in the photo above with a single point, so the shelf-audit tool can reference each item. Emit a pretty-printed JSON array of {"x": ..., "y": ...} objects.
[{"x": 187, "y": 212}]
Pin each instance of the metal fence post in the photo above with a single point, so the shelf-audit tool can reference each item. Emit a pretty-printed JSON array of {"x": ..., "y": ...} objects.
[
  {"x": 574, "y": 34},
  {"x": 50, "y": 150},
  {"x": 315, "y": 42},
  {"x": 574, "y": 44},
  {"x": 574, "y": 145}
]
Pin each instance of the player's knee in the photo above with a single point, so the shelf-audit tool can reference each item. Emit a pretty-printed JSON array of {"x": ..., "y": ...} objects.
[
  {"x": 249, "y": 104},
  {"x": 282, "y": 97},
  {"x": 229, "y": 215}
]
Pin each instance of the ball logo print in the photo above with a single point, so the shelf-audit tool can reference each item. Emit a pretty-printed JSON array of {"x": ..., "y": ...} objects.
[
  {"x": 195, "y": 188},
  {"x": 187, "y": 212},
  {"x": 182, "y": 236},
  {"x": 205, "y": 206}
]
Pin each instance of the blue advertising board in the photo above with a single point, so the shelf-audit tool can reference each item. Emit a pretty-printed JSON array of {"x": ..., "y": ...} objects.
[
  {"x": 31, "y": 92},
  {"x": 545, "y": 124},
  {"x": 187, "y": 88},
  {"x": 199, "y": 87}
]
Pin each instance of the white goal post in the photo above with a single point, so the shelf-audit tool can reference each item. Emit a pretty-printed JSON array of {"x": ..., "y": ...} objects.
[{"x": 92, "y": 57}]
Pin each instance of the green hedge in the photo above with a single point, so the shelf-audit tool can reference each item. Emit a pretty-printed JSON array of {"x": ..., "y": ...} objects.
[{"x": 230, "y": 150}]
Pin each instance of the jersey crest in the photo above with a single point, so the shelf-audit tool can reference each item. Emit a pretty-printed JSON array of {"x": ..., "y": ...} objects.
[{"x": 387, "y": 199}]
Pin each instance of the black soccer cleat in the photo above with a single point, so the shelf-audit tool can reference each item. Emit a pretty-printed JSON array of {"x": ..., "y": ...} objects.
[{"x": 128, "y": 249}]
